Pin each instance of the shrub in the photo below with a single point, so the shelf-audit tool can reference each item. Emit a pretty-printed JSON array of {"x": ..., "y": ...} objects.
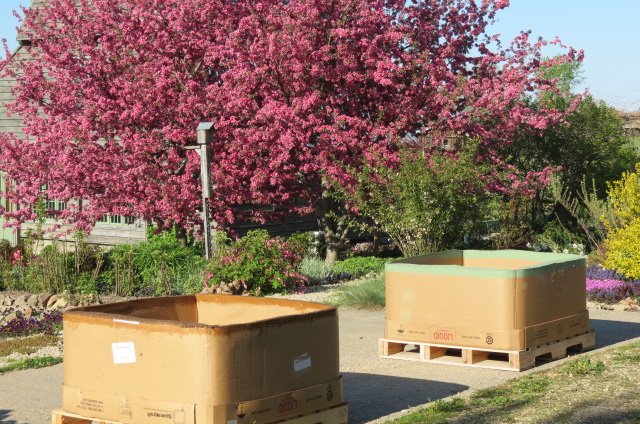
[
  {"x": 623, "y": 251},
  {"x": 259, "y": 263},
  {"x": 159, "y": 266},
  {"x": 424, "y": 205},
  {"x": 556, "y": 238},
  {"x": 301, "y": 244},
  {"x": 359, "y": 266},
  {"x": 315, "y": 270},
  {"x": 621, "y": 245}
]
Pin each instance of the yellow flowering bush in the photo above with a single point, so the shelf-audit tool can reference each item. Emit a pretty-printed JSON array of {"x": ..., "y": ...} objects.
[{"x": 623, "y": 239}]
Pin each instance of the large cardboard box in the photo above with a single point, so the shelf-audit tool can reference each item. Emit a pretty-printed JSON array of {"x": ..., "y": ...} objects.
[
  {"x": 201, "y": 359},
  {"x": 499, "y": 300}
]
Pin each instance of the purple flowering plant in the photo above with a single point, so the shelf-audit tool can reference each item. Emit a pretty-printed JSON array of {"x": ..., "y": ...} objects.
[
  {"x": 49, "y": 322},
  {"x": 604, "y": 285}
]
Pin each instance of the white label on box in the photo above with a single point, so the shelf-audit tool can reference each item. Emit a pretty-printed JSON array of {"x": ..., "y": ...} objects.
[
  {"x": 123, "y": 353},
  {"x": 232, "y": 422},
  {"x": 302, "y": 362}
]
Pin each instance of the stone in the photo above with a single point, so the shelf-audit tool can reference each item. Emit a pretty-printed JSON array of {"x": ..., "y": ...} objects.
[
  {"x": 11, "y": 317},
  {"x": 33, "y": 300},
  {"x": 43, "y": 299},
  {"x": 207, "y": 290},
  {"x": 61, "y": 303},
  {"x": 52, "y": 301},
  {"x": 27, "y": 312},
  {"x": 21, "y": 300}
]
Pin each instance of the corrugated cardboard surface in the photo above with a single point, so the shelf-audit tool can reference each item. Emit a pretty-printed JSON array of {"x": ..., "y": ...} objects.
[
  {"x": 195, "y": 352},
  {"x": 503, "y": 300},
  {"x": 139, "y": 410}
]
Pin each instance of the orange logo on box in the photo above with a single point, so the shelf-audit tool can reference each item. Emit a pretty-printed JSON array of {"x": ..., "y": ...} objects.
[
  {"x": 443, "y": 334},
  {"x": 288, "y": 404}
]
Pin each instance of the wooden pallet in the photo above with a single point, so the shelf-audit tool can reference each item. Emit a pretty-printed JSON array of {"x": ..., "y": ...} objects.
[
  {"x": 336, "y": 415},
  {"x": 510, "y": 360}
]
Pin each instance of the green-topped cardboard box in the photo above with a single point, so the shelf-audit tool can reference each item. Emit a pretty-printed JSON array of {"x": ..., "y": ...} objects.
[{"x": 498, "y": 300}]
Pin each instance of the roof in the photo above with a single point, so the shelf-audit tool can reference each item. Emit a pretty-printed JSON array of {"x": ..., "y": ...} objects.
[{"x": 21, "y": 37}]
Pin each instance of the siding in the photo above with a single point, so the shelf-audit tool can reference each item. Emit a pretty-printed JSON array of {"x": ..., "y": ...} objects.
[
  {"x": 102, "y": 234},
  {"x": 11, "y": 123}
]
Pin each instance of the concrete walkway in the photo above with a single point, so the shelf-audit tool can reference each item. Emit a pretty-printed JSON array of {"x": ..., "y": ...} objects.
[{"x": 375, "y": 387}]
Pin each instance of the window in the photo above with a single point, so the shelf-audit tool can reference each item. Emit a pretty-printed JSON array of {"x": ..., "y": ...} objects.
[
  {"x": 117, "y": 220},
  {"x": 51, "y": 206}
]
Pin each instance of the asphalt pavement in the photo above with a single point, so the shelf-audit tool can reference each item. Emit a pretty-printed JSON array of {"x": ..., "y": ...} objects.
[{"x": 376, "y": 388}]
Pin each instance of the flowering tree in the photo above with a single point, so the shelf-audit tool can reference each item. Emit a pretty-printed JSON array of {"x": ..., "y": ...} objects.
[{"x": 300, "y": 92}]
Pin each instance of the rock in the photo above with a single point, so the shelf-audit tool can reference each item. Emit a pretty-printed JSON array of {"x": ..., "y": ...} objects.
[
  {"x": 207, "y": 290},
  {"x": 27, "y": 312},
  {"x": 12, "y": 316},
  {"x": 33, "y": 300},
  {"x": 43, "y": 299},
  {"x": 2, "y": 296},
  {"x": 52, "y": 301},
  {"x": 61, "y": 303},
  {"x": 21, "y": 300}
]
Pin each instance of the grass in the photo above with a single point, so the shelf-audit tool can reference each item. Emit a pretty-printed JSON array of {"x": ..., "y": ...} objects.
[
  {"x": 584, "y": 366},
  {"x": 599, "y": 388},
  {"x": 23, "y": 364},
  {"x": 26, "y": 345},
  {"x": 365, "y": 294},
  {"x": 438, "y": 412}
]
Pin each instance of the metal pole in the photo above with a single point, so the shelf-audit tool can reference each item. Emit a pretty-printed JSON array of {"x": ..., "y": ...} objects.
[{"x": 204, "y": 149}]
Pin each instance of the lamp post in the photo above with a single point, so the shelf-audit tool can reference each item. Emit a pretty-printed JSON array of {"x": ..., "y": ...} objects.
[{"x": 203, "y": 148}]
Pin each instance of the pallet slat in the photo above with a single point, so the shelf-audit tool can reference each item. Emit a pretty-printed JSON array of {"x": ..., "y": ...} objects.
[
  {"x": 510, "y": 360},
  {"x": 336, "y": 415}
]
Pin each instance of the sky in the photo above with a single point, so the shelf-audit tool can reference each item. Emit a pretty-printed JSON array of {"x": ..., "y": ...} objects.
[{"x": 607, "y": 31}]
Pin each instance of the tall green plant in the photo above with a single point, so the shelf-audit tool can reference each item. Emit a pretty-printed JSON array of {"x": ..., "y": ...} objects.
[
  {"x": 424, "y": 205},
  {"x": 161, "y": 265},
  {"x": 588, "y": 209}
]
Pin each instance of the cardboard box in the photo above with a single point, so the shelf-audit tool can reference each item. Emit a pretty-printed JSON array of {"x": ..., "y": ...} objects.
[
  {"x": 201, "y": 359},
  {"x": 502, "y": 300}
]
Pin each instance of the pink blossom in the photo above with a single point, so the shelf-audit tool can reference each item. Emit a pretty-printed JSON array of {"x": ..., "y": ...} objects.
[
  {"x": 297, "y": 92},
  {"x": 17, "y": 258}
]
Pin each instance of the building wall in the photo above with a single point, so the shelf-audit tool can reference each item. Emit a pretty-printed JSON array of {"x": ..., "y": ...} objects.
[{"x": 103, "y": 233}]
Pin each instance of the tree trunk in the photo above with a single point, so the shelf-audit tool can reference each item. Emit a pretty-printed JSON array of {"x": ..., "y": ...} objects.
[
  {"x": 181, "y": 235},
  {"x": 332, "y": 242},
  {"x": 333, "y": 223}
]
